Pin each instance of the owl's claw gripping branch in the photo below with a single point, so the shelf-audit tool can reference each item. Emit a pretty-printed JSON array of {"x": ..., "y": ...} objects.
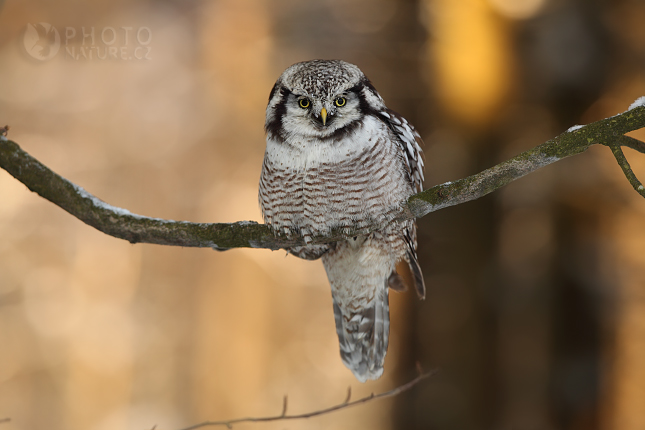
[{"x": 122, "y": 224}]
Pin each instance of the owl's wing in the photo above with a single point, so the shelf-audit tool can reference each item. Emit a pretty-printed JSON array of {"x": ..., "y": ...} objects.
[
  {"x": 410, "y": 143},
  {"x": 410, "y": 236}
]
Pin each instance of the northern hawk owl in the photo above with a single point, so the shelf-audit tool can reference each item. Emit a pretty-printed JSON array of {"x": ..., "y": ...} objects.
[{"x": 338, "y": 158}]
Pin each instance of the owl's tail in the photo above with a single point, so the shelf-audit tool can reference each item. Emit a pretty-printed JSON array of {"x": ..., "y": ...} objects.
[
  {"x": 358, "y": 274},
  {"x": 363, "y": 336}
]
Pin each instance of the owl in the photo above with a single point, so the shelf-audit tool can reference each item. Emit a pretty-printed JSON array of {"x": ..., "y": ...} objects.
[{"x": 338, "y": 159}]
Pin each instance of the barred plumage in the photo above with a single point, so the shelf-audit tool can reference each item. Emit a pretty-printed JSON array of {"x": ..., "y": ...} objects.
[{"x": 336, "y": 157}]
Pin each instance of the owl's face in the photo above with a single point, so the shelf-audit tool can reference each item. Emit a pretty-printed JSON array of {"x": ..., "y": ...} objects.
[{"x": 321, "y": 99}]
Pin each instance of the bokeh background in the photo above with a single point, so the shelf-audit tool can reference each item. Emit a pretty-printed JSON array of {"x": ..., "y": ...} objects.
[{"x": 535, "y": 311}]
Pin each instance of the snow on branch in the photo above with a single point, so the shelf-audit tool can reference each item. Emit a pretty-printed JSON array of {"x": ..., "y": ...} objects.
[{"x": 134, "y": 228}]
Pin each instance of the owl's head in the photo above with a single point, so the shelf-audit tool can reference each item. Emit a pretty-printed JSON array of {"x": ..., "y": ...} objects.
[{"x": 320, "y": 98}]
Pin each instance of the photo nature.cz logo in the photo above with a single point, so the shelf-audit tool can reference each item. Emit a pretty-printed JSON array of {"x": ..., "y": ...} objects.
[{"x": 42, "y": 42}]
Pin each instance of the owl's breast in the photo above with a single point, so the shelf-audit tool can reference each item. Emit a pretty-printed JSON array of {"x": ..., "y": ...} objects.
[{"x": 315, "y": 186}]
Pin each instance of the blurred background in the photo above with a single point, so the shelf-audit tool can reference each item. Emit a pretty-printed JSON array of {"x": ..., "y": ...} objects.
[{"x": 535, "y": 311}]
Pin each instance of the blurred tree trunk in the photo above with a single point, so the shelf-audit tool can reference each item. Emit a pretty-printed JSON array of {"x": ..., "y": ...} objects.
[{"x": 512, "y": 314}]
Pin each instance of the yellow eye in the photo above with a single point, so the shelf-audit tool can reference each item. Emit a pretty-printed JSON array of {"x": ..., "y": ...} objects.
[
  {"x": 304, "y": 103},
  {"x": 341, "y": 101}
]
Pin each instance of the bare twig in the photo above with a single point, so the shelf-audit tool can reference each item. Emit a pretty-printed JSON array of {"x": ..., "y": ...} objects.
[
  {"x": 284, "y": 407},
  {"x": 122, "y": 224},
  {"x": 632, "y": 143},
  {"x": 346, "y": 404},
  {"x": 627, "y": 169},
  {"x": 5, "y": 420},
  {"x": 349, "y": 395}
]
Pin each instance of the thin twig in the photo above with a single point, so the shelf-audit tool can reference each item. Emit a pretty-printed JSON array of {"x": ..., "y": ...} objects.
[
  {"x": 632, "y": 143},
  {"x": 349, "y": 395},
  {"x": 346, "y": 404},
  {"x": 627, "y": 169},
  {"x": 5, "y": 420}
]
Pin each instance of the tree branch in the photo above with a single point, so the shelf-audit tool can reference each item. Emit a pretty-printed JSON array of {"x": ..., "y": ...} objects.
[
  {"x": 134, "y": 228},
  {"x": 627, "y": 169},
  {"x": 346, "y": 404},
  {"x": 632, "y": 143}
]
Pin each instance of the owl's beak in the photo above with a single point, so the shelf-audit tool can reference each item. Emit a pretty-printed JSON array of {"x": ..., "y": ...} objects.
[{"x": 323, "y": 115}]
